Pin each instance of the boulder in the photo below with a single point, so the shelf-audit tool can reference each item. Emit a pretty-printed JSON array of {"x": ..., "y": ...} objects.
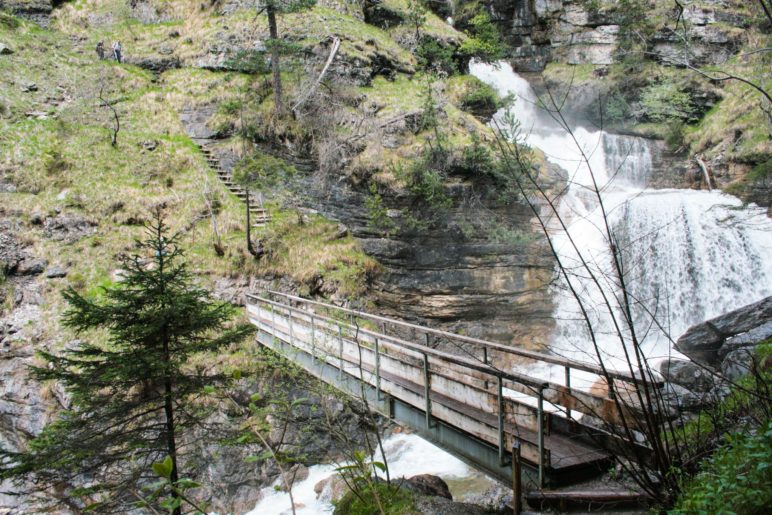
[
  {"x": 67, "y": 228},
  {"x": 737, "y": 363},
  {"x": 746, "y": 340},
  {"x": 31, "y": 266},
  {"x": 687, "y": 374},
  {"x": 427, "y": 484},
  {"x": 56, "y": 272},
  {"x": 683, "y": 399},
  {"x": 704, "y": 341}
]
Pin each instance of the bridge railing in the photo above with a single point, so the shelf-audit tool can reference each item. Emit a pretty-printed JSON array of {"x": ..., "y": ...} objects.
[
  {"x": 445, "y": 386},
  {"x": 485, "y": 349}
]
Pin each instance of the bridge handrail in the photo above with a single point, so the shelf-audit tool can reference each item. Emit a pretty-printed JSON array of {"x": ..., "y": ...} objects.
[
  {"x": 444, "y": 356},
  {"x": 538, "y": 356}
]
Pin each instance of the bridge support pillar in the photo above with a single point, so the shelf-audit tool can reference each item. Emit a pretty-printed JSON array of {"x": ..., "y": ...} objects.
[{"x": 427, "y": 392}]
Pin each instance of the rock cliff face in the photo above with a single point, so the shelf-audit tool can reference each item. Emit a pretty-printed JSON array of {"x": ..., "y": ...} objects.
[
  {"x": 589, "y": 31},
  {"x": 455, "y": 275},
  {"x": 36, "y": 10}
]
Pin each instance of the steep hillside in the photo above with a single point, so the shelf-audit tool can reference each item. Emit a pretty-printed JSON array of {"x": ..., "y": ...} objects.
[{"x": 353, "y": 220}]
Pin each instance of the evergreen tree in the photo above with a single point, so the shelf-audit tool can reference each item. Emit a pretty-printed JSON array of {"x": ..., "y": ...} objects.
[{"x": 134, "y": 388}]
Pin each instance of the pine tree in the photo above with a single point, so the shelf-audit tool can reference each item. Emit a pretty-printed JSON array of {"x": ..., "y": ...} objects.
[{"x": 134, "y": 388}]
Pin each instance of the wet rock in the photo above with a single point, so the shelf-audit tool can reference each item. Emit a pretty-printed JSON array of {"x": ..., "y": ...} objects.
[
  {"x": 435, "y": 505},
  {"x": 683, "y": 399},
  {"x": 703, "y": 342},
  {"x": 746, "y": 340},
  {"x": 687, "y": 374},
  {"x": 5, "y": 49},
  {"x": 56, "y": 272},
  {"x": 737, "y": 364},
  {"x": 331, "y": 489},
  {"x": 427, "y": 484}
]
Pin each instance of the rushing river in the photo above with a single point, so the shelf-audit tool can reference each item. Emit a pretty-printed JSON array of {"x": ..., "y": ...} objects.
[{"x": 688, "y": 255}]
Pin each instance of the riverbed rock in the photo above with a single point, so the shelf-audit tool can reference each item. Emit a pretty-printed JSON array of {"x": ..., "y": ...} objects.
[
  {"x": 737, "y": 364},
  {"x": 687, "y": 374},
  {"x": 703, "y": 342},
  {"x": 427, "y": 484}
]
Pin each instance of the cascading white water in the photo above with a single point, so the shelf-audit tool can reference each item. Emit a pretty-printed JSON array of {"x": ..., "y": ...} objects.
[
  {"x": 407, "y": 455},
  {"x": 687, "y": 255}
]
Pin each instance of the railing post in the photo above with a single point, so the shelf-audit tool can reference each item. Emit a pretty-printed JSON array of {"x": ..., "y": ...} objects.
[
  {"x": 568, "y": 385},
  {"x": 517, "y": 495},
  {"x": 340, "y": 352},
  {"x": 485, "y": 362},
  {"x": 289, "y": 320},
  {"x": 426, "y": 339},
  {"x": 500, "y": 396},
  {"x": 313, "y": 337},
  {"x": 377, "y": 372},
  {"x": 540, "y": 430},
  {"x": 427, "y": 390},
  {"x": 273, "y": 324}
]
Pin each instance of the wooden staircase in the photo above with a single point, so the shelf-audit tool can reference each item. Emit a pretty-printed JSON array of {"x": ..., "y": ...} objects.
[{"x": 257, "y": 213}]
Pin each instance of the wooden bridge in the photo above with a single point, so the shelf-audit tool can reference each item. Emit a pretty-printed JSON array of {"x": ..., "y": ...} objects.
[{"x": 459, "y": 400}]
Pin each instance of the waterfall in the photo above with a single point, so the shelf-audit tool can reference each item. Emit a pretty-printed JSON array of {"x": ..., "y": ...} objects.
[{"x": 686, "y": 255}]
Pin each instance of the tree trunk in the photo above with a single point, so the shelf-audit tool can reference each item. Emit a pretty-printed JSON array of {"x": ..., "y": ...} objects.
[
  {"x": 275, "y": 69},
  {"x": 171, "y": 444}
]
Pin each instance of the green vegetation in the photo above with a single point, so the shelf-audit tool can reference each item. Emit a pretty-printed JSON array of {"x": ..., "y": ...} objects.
[
  {"x": 737, "y": 478},
  {"x": 665, "y": 101},
  {"x": 484, "y": 40},
  {"x": 391, "y": 501},
  {"x": 132, "y": 386}
]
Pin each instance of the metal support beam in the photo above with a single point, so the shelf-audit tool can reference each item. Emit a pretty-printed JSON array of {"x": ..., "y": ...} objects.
[
  {"x": 427, "y": 392},
  {"x": 340, "y": 352},
  {"x": 500, "y": 412},
  {"x": 377, "y": 371},
  {"x": 568, "y": 385},
  {"x": 540, "y": 430}
]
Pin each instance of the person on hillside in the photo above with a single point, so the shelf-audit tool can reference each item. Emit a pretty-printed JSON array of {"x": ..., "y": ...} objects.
[
  {"x": 100, "y": 50},
  {"x": 117, "y": 50}
]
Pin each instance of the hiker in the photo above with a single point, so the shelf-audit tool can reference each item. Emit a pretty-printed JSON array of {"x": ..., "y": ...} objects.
[
  {"x": 117, "y": 51},
  {"x": 100, "y": 50}
]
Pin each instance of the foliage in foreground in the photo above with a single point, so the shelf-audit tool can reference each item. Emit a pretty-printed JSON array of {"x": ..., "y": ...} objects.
[
  {"x": 133, "y": 388},
  {"x": 736, "y": 479}
]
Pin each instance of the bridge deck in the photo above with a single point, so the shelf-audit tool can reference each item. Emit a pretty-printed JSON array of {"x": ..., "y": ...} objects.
[{"x": 462, "y": 403}]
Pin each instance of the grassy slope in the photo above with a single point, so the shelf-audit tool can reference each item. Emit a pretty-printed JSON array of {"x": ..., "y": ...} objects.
[{"x": 65, "y": 163}]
